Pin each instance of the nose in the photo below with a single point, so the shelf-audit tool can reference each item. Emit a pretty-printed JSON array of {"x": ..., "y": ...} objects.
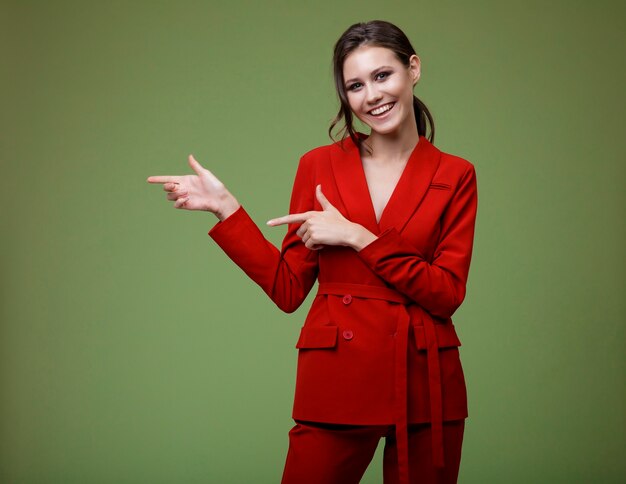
[{"x": 372, "y": 95}]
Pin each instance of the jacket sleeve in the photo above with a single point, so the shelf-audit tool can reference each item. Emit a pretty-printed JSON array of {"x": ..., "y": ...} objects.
[
  {"x": 287, "y": 275},
  {"x": 438, "y": 287}
]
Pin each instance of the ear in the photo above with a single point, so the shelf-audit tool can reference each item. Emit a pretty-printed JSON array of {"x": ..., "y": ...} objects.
[{"x": 415, "y": 67}]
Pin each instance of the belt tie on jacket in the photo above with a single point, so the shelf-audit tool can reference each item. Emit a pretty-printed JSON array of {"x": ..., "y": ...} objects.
[{"x": 401, "y": 369}]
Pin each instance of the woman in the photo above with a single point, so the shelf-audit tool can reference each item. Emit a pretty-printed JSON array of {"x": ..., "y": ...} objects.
[{"x": 385, "y": 222}]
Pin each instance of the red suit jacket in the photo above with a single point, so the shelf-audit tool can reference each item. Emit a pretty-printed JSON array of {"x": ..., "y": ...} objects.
[{"x": 378, "y": 345}]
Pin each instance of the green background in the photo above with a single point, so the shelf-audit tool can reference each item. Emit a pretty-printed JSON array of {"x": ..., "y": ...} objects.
[{"x": 132, "y": 350}]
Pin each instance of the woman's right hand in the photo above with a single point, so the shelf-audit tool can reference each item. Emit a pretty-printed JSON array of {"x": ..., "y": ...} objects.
[{"x": 203, "y": 191}]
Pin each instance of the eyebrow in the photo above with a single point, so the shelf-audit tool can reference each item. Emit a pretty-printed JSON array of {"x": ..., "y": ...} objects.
[{"x": 373, "y": 73}]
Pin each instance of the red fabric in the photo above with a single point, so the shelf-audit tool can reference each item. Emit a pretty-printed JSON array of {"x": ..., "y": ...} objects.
[
  {"x": 348, "y": 361},
  {"x": 401, "y": 338},
  {"x": 338, "y": 454}
]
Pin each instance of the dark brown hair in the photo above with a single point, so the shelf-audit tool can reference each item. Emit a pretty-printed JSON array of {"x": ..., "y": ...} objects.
[{"x": 377, "y": 33}]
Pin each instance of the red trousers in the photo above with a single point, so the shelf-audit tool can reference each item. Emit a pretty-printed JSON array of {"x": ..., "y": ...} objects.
[{"x": 339, "y": 454}]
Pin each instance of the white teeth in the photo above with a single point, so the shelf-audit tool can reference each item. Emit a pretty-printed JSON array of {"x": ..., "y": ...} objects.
[{"x": 382, "y": 109}]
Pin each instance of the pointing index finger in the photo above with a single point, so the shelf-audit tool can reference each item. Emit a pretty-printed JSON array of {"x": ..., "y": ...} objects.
[
  {"x": 290, "y": 219},
  {"x": 163, "y": 179}
]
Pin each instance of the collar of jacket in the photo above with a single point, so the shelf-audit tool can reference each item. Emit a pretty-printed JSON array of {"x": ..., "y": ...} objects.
[{"x": 412, "y": 186}]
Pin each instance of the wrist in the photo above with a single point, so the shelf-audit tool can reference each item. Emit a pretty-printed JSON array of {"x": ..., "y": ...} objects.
[
  {"x": 360, "y": 237},
  {"x": 228, "y": 206}
]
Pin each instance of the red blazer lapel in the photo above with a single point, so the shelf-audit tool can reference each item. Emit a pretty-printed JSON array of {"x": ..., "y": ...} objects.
[
  {"x": 412, "y": 186},
  {"x": 406, "y": 197},
  {"x": 352, "y": 185}
]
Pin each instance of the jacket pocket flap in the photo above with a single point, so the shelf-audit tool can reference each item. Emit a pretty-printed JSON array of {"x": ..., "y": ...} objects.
[
  {"x": 446, "y": 336},
  {"x": 317, "y": 337}
]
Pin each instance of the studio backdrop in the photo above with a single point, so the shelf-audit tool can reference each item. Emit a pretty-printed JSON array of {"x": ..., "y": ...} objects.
[{"x": 132, "y": 350}]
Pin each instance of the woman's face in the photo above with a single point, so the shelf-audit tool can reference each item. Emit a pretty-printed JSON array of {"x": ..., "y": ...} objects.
[{"x": 379, "y": 88}]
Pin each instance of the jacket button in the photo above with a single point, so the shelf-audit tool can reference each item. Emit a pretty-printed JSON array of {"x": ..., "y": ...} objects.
[
  {"x": 348, "y": 335},
  {"x": 347, "y": 299}
]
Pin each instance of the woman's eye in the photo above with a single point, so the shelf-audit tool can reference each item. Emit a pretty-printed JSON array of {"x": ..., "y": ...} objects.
[
  {"x": 352, "y": 87},
  {"x": 384, "y": 74}
]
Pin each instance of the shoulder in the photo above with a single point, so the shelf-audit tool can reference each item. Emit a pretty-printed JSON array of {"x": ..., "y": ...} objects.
[
  {"x": 327, "y": 150},
  {"x": 455, "y": 166},
  {"x": 321, "y": 156},
  {"x": 455, "y": 162},
  {"x": 315, "y": 155},
  {"x": 454, "y": 171}
]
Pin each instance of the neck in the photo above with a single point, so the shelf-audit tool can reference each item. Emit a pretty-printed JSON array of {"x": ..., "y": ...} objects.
[{"x": 393, "y": 146}]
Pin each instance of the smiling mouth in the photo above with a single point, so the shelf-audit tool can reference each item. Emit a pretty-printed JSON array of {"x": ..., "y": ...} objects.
[{"x": 380, "y": 110}]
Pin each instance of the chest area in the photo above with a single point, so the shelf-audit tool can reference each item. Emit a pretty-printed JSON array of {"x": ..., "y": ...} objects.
[
  {"x": 411, "y": 197},
  {"x": 381, "y": 180}
]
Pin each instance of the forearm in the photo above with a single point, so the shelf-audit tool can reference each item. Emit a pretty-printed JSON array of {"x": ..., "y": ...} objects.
[
  {"x": 286, "y": 275},
  {"x": 437, "y": 286}
]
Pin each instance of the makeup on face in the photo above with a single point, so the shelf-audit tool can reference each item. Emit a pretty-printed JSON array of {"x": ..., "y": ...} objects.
[{"x": 378, "y": 87}]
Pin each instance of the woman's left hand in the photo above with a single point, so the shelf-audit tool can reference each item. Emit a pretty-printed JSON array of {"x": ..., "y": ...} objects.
[{"x": 328, "y": 227}]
